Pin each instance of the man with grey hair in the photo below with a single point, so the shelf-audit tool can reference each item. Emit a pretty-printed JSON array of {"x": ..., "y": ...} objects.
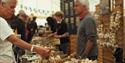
[
  {"x": 87, "y": 33},
  {"x": 7, "y": 37}
]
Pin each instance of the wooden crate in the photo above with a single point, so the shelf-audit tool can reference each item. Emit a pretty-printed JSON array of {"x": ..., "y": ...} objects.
[
  {"x": 105, "y": 55},
  {"x": 72, "y": 43},
  {"x": 100, "y": 54}
]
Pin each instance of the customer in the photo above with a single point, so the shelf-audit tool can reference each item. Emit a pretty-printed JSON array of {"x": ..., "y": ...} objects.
[
  {"x": 7, "y": 37},
  {"x": 87, "y": 34},
  {"x": 32, "y": 25},
  {"x": 51, "y": 22},
  {"x": 20, "y": 25},
  {"x": 61, "y": 31}
]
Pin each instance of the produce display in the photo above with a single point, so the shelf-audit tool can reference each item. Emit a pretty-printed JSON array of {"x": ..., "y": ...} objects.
[{"x": 56, "y": 56}]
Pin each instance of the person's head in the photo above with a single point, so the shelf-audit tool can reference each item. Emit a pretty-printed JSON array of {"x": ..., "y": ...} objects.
[
  {"x": 50, "y": 20},
  {"x": 81, "y": 7},
  {"x": 9, "y": 8},
  {"x": 59, "y": 15},
  {"x": 22, "y": 15},
  {"x": 34, "y": 18}
]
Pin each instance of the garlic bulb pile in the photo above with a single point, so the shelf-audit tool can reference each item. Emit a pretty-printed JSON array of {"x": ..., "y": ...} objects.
[
  {"x": 115, "y": 21},
  {"x": 88, "y": 61},
  {"x": 73, "y": 60},
  {"x": 107, "y": 36}
]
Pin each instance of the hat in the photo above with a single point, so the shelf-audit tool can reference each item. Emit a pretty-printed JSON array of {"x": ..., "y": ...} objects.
[{"x": 21, "y": 12}]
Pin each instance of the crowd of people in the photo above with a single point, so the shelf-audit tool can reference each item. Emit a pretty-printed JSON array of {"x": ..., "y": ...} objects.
[{"x": 26, "y": 28}]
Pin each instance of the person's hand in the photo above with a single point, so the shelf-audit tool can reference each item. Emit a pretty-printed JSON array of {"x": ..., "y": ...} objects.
[
  {"x": 42, "y": 51},
  {"x": 57, "y": 36},
  {"x": 55, "y": 33},
  {"x": 73, "y": 54},
  {"x": 50, "y": 35}
]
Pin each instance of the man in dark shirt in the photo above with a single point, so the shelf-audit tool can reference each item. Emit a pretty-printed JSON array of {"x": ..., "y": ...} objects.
[
  {"x": 19, "y": 24},
  {"x": 32, "y": 27},
  {"x": 61, "y": 32}
]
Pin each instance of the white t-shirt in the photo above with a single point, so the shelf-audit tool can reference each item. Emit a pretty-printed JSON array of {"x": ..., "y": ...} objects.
[{"x": 6, "y": 52}]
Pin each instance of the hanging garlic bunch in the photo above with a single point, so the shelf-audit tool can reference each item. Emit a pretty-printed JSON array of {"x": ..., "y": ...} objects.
[
  {"x": 114, "y": 26},
  {"x": 112, "y": 23},
  {"x": 100, "y": 34},
  {"x": 100, "y": 30},
  {"x": 110, "y": 39},
  {"x": 115, "y": 21}
]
